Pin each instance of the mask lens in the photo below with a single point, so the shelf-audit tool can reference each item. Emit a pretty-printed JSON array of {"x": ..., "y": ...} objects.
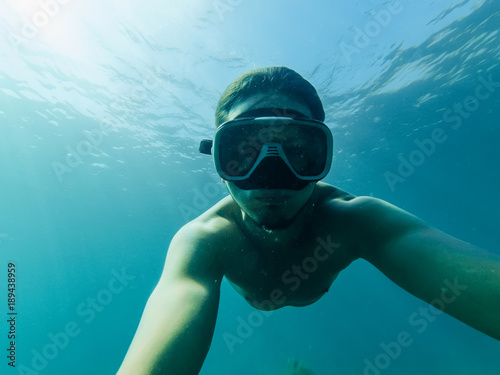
[
  {"x": 239, "y": 148},
  {"x": 305, "y": 148},
  {"x": 239, "y": 145}
]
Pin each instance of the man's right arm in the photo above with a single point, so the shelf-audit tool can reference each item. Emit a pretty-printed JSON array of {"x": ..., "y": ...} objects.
[{"x": 177, "y": 325}]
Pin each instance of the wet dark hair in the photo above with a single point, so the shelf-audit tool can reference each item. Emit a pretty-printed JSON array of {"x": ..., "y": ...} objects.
[{"x": 272, "y": 80}]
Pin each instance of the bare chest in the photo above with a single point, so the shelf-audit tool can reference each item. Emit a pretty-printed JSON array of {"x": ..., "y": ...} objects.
[{"x": 298, "y": 274}]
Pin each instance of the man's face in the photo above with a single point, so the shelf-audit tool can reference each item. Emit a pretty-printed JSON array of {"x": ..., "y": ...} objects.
[{"x": 272, "y": 208}]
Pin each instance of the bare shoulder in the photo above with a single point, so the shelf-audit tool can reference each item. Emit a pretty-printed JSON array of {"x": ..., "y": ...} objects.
[
  {"x": 197, "y": 249},
  {"x": 362, "y": 209},
  {"x": 378, "y": 214},
  {"x": 327, "y": 193},
  {"x": 366, "y": 222}
]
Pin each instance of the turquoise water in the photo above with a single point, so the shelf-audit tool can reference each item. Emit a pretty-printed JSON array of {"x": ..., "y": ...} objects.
[{"x": 102, "y": 107}]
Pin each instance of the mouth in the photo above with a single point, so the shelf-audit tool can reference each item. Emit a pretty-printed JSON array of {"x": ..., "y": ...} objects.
[{"x": 273, "y": 199}]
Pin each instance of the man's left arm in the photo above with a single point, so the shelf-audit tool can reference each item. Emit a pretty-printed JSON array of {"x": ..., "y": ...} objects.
[{"x": 432, "y": 265}]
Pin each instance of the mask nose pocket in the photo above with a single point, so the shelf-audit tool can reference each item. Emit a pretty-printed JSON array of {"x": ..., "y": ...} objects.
[{"x": 272, "y": 173}]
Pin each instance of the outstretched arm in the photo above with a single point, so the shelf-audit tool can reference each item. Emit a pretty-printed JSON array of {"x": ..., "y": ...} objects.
[
  {"x": 177, "y": 325},
  {"x": 459, "y": 278}
]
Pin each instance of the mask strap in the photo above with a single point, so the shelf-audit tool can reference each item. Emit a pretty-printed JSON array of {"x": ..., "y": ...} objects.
[{"x": 272, "y": 112}]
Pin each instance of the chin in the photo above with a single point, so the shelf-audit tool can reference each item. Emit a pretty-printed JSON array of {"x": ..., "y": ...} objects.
[
  {"x": 272, "y": 208},
  {"x": 274, "y": 217}
]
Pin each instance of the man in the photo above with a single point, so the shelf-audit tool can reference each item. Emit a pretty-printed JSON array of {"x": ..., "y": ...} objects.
[{"x": 271, "y": 150}]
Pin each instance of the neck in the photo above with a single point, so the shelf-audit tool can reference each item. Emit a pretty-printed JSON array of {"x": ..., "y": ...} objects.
[{"x": 282, "y": 233}]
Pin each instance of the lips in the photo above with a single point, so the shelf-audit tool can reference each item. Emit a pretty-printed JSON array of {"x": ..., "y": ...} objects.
[{"x": 273, "y": 199}]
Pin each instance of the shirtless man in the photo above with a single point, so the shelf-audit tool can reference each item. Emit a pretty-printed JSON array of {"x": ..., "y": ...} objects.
[{"x": 281, "y": 237}]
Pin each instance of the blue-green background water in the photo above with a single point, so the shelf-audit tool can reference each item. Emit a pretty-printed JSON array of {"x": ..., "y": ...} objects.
[{"x": 139, "y": 82}]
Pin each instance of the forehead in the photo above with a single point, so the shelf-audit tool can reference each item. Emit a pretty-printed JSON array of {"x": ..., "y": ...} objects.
[{"x": 268, "y": 101}]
